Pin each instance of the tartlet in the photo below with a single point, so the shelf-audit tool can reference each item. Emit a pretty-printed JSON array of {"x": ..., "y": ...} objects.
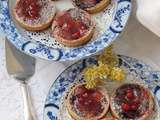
[
  {"x": 34, "y": 15},
  {"x": 91, "y": 6},
  {"x": 73, "y": 27},
  {"x": 132, "y": 102},
  {"x": 87, "y": 104},
  {"x": 109, "y": 117}
]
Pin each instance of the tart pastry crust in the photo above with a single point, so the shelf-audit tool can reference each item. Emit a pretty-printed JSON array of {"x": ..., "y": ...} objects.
[
  {"x": 95, "y": 9},
  {"x": 43, "y": 21},
  {"x": 79, "y": 115},
  {"x": 145, "y": 103},
  {"x": 84, "y": 35}
]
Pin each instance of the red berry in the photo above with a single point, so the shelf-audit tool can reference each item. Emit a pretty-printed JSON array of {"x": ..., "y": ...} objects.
[
  {"x": 70, "y": 22},
  {"x": 80, "y": 99},
  {"x": 129, "y": 91},
  {"x": 125, "y": 106},
  {"x": 85, "y": 95},
  {"x": 136, "y": 101},
  {"x": 134, "y": 106},
  {"x": 97, "y": 96},
  {"x": 130, "y": 95},
  {"x": 80, "y": 24},
  {"x": 68, "y": 27},
  {"x": 62, "y": 19},
  {"x": 76, "y": 35}
]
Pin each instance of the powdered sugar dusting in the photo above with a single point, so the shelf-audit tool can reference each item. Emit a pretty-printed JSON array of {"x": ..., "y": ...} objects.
[
  {"x": 102, "y": 20},
  {"x": 46, "y": 13},
  {"x": 111, "y": 86}
]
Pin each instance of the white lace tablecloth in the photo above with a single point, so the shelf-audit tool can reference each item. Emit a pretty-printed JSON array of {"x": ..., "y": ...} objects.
[{"x": 135, "y": 41}]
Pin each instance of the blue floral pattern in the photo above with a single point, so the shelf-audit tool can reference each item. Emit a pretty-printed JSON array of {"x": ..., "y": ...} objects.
[
  {"x": 118, "y": 25},
  {"x": 51, "y": 117},
  {"x": 68, "y": 77},
  {"x": 36, "y": 49},
  {"x": 51, "y": 54}
]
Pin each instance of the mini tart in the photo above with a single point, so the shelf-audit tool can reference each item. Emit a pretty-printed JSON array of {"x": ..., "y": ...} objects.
[
  {"x": 34, "y": 15},
  {"x": 109, "y": 117},
  {"x": 73, "y": 27},
  {"x": 132, "y": 102},
  {"x": 87, "y": 104},
  {"x": 91, "y": 6}
]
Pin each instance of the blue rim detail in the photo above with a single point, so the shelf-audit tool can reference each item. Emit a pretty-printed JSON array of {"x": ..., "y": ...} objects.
[
  {"x": 113, "y": 30},
  {"x": 68, "y": 77},
  {"x": 124, "y": 1},
  {"x": 51, "y": 105},
  {"x": 119, "y": 21},
  {"x": 23, "y": 46}
]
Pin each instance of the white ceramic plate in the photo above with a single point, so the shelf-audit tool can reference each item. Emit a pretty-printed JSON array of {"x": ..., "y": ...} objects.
[
  {"x": 109, "y": 24},
  {"x": 137, "y": 72}
]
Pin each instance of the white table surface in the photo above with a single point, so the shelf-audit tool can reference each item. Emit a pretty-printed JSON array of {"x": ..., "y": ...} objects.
[{"x": 136, "y": 41}]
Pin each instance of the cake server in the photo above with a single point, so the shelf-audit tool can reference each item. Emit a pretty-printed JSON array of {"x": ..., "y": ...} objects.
[{"x": 21, "y": 67}]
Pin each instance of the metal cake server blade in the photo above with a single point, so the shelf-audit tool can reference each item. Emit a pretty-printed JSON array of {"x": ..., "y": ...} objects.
[{"x": 21, "y": 67}]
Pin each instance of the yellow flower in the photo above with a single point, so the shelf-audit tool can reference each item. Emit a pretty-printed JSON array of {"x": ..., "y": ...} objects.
[
  {"x": 108, "y": 57},
  {"x": 91, "y": 84},
  {"x": 106, "y": 68},
  {"x": 102, "y": 70},
  {"x": 117, "y": 73},
  {"x": 94, "y": 74},
  {"x": 108, "y": 50}
]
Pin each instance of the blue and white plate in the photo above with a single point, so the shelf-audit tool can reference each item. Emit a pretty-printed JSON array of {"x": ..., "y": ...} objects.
[
  {"x": 109, "y": 23},
  {"x": 137, "y": 71}
]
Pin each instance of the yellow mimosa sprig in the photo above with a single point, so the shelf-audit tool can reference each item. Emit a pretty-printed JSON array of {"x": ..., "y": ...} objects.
[
  {"x": 108, "y": 57},
  {"x": 106, "y": 69}
]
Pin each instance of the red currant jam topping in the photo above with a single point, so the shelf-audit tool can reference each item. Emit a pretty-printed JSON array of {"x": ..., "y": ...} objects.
[
  {"x": 88, "y": 101},
  {"x": 29, "y": 9},
  {"x": 133, "y": 101},
  {"x": 125, "y": 107},
  {"x": 71, "y": 28},
  {"x": 83, "y": 4}
]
